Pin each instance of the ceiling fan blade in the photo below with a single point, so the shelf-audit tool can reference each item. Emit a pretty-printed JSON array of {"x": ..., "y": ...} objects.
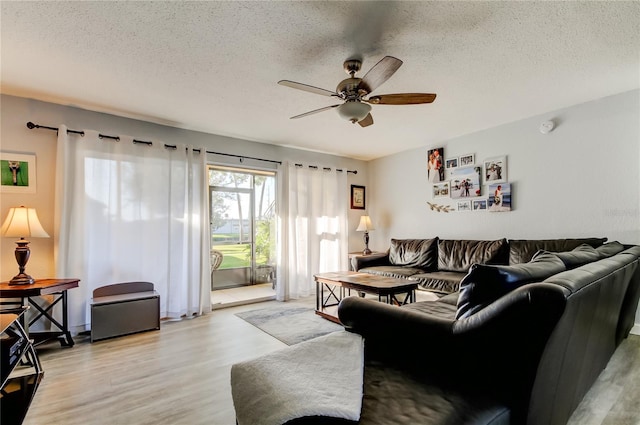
[
  {"x": 402, "y": 99},
  {"x": 315, "y": 111},
  {"x": 366, "y": 121},
  {"x": 306, "y": 87},
  {"x": 380, "y": 73}
]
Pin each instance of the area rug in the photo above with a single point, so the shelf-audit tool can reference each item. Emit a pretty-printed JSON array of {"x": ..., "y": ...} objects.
[
  {"x": 290, "y": 324},
  {"x": 303, "y": 380}
]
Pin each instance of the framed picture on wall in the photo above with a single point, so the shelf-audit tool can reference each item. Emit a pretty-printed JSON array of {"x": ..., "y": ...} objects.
[
  {"x": 499, "y": 197},
  {"x": 357, "y": 197},
  {"x": 479, "y": 204},
  {"x": 451, "y": 163},
  {"x": 435, "y": 165},
  {"x": 495, "y": 170},
  {"x": 466, "y": 160},
  {"x": 464, "y": 205},
  {"x": 17, "y": 173},
  {"x": 465, "y": 182},
  {"x": 441, "y": 190}
]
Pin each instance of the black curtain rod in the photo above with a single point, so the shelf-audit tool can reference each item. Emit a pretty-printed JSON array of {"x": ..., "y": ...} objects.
[
  {"x": 31, "y": 126},
  {"x": 315, "y": 167}
]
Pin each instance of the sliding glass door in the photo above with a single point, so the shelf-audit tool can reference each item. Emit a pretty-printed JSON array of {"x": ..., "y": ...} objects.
[{"x": 242, "y": 211}]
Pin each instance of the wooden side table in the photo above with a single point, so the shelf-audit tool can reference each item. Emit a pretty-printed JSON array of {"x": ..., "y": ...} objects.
[{"x": 27, "y": 294}]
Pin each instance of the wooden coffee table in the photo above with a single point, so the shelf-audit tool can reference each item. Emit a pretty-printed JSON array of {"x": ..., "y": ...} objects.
[{"x": 332, "y": 287}]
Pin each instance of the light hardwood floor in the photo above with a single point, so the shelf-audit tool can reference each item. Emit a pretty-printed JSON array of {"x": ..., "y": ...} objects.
[{"x": 180, "y": 375}]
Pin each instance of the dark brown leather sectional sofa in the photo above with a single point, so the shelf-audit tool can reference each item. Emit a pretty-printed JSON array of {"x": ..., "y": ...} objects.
[
  {"x": 522, "y": 339},
  {"x": 440, "y": 264},
  {"x": 518, "y": 344}
]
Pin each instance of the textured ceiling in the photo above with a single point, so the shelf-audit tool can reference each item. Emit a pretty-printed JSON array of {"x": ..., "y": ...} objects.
[{"x": 213, "y": 66}]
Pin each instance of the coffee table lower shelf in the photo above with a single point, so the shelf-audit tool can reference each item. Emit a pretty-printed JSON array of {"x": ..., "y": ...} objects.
[{"x": 332, "y": 287}]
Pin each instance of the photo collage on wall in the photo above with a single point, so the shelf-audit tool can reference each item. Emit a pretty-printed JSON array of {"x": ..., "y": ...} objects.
[{"x": 474, "y": 187}]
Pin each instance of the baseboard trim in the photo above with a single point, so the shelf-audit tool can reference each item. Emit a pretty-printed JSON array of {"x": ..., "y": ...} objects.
[{"x": 635, "y": 329}]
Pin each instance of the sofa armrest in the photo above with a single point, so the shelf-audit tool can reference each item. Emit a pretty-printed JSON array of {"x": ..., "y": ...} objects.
[{"x": 378, "y": 259}]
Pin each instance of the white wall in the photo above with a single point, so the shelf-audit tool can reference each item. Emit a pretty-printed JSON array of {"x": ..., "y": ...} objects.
[
  {"x": 580, "y": 180},
  {"x": 15, "y": 112}
]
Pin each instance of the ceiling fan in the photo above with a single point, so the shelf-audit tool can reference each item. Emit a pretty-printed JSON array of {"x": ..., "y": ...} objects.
[{"x": 354, "y": 91}]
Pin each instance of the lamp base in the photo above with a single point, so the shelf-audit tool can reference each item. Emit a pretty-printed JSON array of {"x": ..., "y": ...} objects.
[
  {"x": 22, "y": 279},
  {"x": 366, "y": 251}
]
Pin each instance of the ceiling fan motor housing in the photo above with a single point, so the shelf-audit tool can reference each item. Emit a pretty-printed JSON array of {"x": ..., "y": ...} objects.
[{"x": 348, "y": 89}]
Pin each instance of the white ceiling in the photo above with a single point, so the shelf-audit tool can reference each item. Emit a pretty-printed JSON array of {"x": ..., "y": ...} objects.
[{"x": 213, "y": 66}]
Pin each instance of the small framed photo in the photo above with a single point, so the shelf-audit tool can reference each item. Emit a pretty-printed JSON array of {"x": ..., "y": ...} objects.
[
  {"x": 495, "y": 170},
  {"x": 451, "y": 163},
  {"x": 441, "y": 190},
  {"x": 464, "y": 205},
  {"x": 479, "y": 204},
  {"x": 499, "y": 197},
  {"x": 357, "y": 197},
  {"x": 17, "y": 173},
  {"x": 466, "y": 160}
]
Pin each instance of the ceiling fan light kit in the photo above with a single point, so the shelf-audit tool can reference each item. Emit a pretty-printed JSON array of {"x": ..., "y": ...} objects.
[
  {"x": 354, "y": 110},
  {"x": 353, "y": 91}
]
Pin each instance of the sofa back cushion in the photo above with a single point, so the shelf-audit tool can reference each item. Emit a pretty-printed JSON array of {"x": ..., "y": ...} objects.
[
  {"x": 460, "y": 255},
  {"x": 610, "y": 249},
  {"x": 418, "y": 253},
  {"x": 486, "y": 283},
  {"x": 578, "y": 256},
  {"x": 523, "y": 250}
]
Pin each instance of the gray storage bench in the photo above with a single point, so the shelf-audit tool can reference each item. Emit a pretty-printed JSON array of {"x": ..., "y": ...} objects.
[{"x": 124, "y": 308}]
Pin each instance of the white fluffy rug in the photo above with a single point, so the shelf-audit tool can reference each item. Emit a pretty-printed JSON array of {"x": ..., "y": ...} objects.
[{"x": 319, "y": 377}]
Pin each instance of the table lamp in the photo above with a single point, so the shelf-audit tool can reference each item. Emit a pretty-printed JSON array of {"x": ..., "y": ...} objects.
[
  {"x": 22, "y": 222},
  {"x": 364, "y": 226}
]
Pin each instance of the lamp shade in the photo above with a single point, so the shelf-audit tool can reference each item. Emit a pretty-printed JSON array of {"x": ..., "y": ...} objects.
[
  {"x": 365, "y": 224},
  {"x": 22, "y": 222},
  {"x": 353, "y": 110}
]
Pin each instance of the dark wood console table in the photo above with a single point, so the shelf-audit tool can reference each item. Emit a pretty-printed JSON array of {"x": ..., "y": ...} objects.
[{"x": 26, "y": 293}]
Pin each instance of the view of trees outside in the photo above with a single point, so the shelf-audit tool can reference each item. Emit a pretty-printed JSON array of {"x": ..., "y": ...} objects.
[{"x": 232, "y": 218}]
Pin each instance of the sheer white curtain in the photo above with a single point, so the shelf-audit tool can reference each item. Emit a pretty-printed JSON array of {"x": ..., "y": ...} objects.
[
  {"x": 313, "y": 228},
  {"x": 132, "y": 212}
]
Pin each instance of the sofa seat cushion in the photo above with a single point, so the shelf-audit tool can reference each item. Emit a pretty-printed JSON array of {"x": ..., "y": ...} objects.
[
  {"x": 418, "y": 253},
  {"x": 435, "y": 308},
  {"x": 486, "y": 283},
  {"x": 391, "y": 271},
  {"x": 445, "y": 282},
  {"x": 393, "y": 396},
  {"x": 577, "y": 257},
  {"x": 460, "y": 255},
  {"x": 523, "y": 250}
]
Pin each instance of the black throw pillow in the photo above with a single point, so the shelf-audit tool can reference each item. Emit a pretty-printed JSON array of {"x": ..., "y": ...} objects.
[{"x": 486, "y": 283}]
